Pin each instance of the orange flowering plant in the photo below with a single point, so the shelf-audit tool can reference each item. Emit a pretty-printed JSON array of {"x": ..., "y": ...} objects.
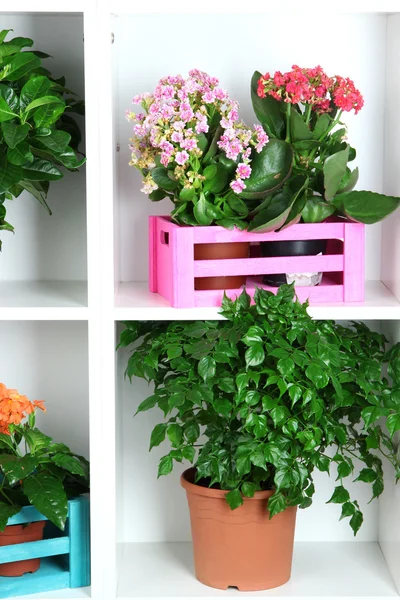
[{"x": 33, "y": 468}]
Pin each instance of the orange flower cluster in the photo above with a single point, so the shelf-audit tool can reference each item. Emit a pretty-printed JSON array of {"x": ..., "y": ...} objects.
[{"x": 14, "y": 407}]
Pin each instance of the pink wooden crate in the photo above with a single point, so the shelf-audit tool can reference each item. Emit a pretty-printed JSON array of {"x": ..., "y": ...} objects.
[{"x": 172, "y": 268}]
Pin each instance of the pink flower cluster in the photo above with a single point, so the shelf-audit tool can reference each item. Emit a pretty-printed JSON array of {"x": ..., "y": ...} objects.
[
  {"x": 175, "y": 117},
  {"x": 311, "y": 86}
]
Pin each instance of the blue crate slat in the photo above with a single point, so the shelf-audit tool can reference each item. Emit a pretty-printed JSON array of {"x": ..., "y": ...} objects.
[
  {"x": 51, "y": 576},
  {"x": 28, "y": 550},
  {"x": 28, "y": 514},
  {"x": 79, "y": 535},
  {"x": 67, "y": 557}
]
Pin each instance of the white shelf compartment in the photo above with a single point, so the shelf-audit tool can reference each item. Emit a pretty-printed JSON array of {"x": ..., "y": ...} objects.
[
  {"x": 153, "y": 530},
  {"x": 373, "y": 132},
  {"x": 58, "y": 595},
  {"x": 45, "y": 263},
  {"x": 326, "y": 570}
]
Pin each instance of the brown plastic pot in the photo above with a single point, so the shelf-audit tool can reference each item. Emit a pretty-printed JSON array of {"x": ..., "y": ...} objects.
[
  {"x": 239, "y": 548},
  {"x": 217, "y": 252},
  {"x": 17, "y": 534}
]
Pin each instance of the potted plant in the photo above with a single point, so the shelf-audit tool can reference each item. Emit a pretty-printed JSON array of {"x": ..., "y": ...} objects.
[
  {"x": 45, "y": 476},
  {"x": 304, "y": 107},
  {"x": 38, "y": 135},
  {"x": 257, "y": 403},
  {"x": 191, "y": 147}
]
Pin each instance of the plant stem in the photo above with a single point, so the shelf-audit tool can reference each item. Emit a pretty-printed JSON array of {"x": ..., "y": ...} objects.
[
  {"x": 308, "y": 114},
  {"x": 6, "y": 497},
  {"x": 288, "y": 112}
]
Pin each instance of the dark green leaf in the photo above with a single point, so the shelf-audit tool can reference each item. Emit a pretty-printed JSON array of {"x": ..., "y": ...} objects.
[
  {"x": 160, "y": 176},
  {"x": 14, "y": 134},
  {"x": 35, "y": 88},
  {"x": 367, "y": 207},
  {"x": 339, "y": 496},
  {"x": 48, "y": 496},
  {"x": 334, "y": 169},
  {"x": 356, "y": 521},
  {"x": 255, "y": 355},
  {"x": 158, "y": 435},
  {"x": 207, "y": 367},
  {"x": 41, "y": 170},
  {"x": 234, "y": 499},
  {"x": 6, "y": 512},
  {"x": 69, "y": 463},
  {"x": 20, "y": 65},
  {"x": 276, "y": 504},
  {"x": 165, "y": 465},
  {"x": 267, "y": 110}
]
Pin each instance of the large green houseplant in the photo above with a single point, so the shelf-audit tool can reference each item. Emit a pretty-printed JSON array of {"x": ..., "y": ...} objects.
[
  {"x": 38, "y": 137},
  {"x": 262, "y": 400}
]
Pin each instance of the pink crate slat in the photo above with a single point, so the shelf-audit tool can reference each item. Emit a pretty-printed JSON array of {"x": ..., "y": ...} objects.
[
  {"x": 171, "y": 250},
  {"x": 152, "y": 254},
  {"x": 183, "y": 270},
  {"x": 354, "y": 252},
  {"x": 258, "y": 266},
  {"x": 204, "y": 298}
]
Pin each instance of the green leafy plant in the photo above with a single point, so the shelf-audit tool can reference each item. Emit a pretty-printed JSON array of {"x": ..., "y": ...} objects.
[
  {"x": 35, "y": 470},
  {"x": 266, "y": 397},
  {"x": 304, "y": 108},
  {"x": 38, "y": 137}
]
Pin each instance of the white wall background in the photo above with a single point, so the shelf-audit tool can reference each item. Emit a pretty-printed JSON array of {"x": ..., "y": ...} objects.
[
  {"x": 48, "y": 360},
  {"x": 155, "y": 510},
  {"x": 50, "y": 247},
  {"x": 231, "y": 47}
]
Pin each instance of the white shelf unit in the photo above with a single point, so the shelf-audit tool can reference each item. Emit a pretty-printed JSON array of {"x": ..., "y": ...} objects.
[{"x": 131, "y": 556}]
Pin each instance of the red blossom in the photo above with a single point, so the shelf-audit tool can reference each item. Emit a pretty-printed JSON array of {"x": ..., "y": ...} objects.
[{"x": 311, "y": 86}]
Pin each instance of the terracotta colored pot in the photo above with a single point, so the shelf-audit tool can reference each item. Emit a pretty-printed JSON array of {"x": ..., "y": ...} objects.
[
  {"x": 17, "y": 534},
  {"x": 216, "y": 252},
  {"x": 238, "y": 548}
]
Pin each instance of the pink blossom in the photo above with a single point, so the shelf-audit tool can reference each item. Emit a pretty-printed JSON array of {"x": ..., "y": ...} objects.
[
  {"x": 164, "y": 159},
  {"x": 233, "y": 115},
  {"x": 139, "y": 130},
  {"x": 243, "y": 171},
  {"x": 181, "y": 157},
  {"x": 166, "y": 111},
  {"x": 167, "y": 147},
  {"x": 220, "y": 94},
  {"x": 189, "y": 144},
  {"x": 177, "y": 137},
  {"x": 178, "y": 125},
  {"x": 237, "y": 185},
  {"x": 202, "y": 126},
  {"x": 208, "y": 97},
  {"x": 186, "y": 112}
]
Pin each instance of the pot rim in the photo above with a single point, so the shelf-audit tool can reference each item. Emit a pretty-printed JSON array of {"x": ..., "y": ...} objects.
[
  {"x": 187, "y": 479},
  {"x": 21, "y": 529}
]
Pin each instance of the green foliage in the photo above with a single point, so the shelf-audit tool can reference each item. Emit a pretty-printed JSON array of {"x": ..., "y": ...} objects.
[
  {"x": 321, "y": 155},
  {"x": 266, "y": 397},
  {"x": 38, "y": 137},
  {"x": 46, "y": 476}
]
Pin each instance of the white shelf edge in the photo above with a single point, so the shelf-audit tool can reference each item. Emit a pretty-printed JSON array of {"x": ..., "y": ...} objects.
[
  {"x": 134, "y": 302},
  {"x": 321, "y": 570},
  {"x": 126, "y": 7}
]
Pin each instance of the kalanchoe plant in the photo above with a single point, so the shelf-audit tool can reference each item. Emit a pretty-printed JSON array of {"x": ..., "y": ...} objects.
[
  {"x": 267, "y": 397},
  {"x": 304, "y": 108},
  {"x": 38, "y": 137},
  {"x": 33, "y": 468},
  {"x": 191, "y": 147}
]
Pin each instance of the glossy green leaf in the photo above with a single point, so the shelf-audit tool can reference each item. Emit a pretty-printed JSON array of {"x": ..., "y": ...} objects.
[
  {"x": 158, "y": 435},
  {"x": 269, "y": 170},
  {"x": 316, "y": 210},
  {"x": 254, "y": 355},
  {"x": 275, "y": 214},
  {"x": 20, "y": 65},
  {"x": 366, "y": 207},
  {"x": 14, "y": 134},
  {"x": 207, "y": 367},
  {"x": 16, "y": 468},
  {"x": 20, "y": 155},
  {"x": 356, "y": 521},
  {"x": 160, "y": 176},
  {"x": 276, "y": 504},
  {"x": 339, "y": 496},
  {"x": 234, "y": 499},
  {"x": 299, "y": 130},
  {"x": 9, "y": 174},
  {"x": 48, "y": 496},
  {"x": 6, "y": 512},
  {"x": 6, "y": 114},
  {"x": 69, "y": 463},
  {"x": 200, "y": 211},
  {"x": 334, "y": 170},
  {"x": 48, "y": 114},
  {"x": 41, "y": 170},
  {"x": 165, "y": 466},
  {"x": 34, "y": 88}
]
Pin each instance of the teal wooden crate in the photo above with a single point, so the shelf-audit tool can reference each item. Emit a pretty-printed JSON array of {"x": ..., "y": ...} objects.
[{"x": 65, "y": 555}]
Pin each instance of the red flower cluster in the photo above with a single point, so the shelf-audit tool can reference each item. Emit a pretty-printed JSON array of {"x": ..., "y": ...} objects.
[
  {"x": 311, "y": 86},
  {"x": 345, "y": 95}
]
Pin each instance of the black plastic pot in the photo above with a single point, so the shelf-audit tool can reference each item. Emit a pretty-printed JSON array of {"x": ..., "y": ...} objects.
[{"x": 289, "y": 248}]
